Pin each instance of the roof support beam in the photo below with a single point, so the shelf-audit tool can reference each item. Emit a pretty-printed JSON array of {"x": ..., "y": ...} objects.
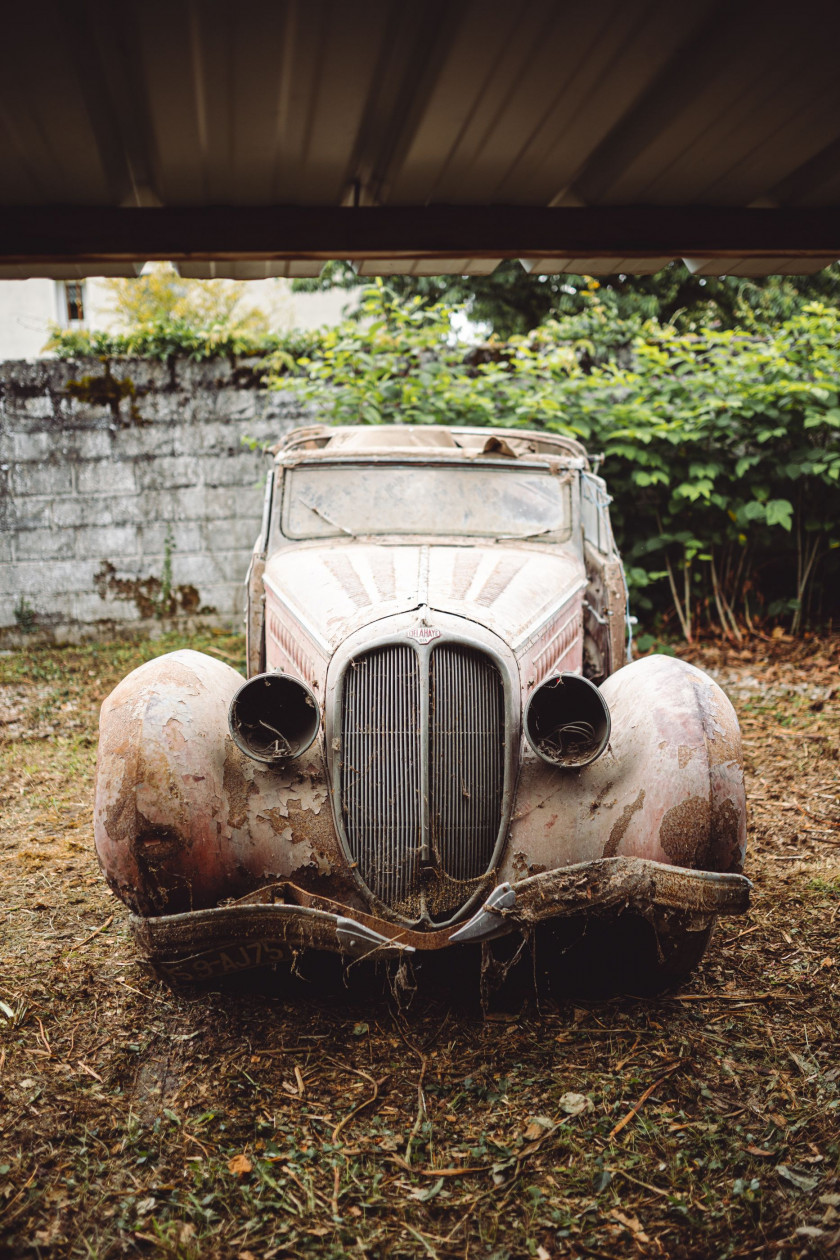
[{"x": 184, "y": 233}]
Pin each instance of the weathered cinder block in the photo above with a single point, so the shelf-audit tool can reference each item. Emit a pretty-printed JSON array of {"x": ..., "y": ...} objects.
[
  {"x": 145, "y": 443},
  {"x": 229, "y": 470},
  {"x": 110, "y": 476},
  {"x": 51, "y": 477},
  {"x": 222, "y": 502},
  {"x": 107, "y": 542},
  {"x": 206, "y": 570},
  {"x": 37, "y": 408},
  {"x": 184, "y": 537},
  {"x": 209, "y": 437},
  {"x": 28, "y": 512},
  {"x": 95, "y": 444},
  {"x": 99, "y": 509},
  {"x": 238, "y": 532},
  {"x": 46, "y": 581},
  {"x": 26, "y": 447},
  {"x": 89, "y": 606},
  {"x": 228, "y": 598},
  {"x": 43, "y": 544},
  {"x": 166, "y": 472},
  {"x": 109, "y": 485}
]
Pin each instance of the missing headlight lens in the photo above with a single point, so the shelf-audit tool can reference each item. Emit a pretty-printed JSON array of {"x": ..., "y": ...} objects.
[
  {"x": 273, "y": 717},
  {"x": 567, "y": 722}
]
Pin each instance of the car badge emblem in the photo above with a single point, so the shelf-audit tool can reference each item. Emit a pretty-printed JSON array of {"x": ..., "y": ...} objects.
[{"x": 424, "y": 634}]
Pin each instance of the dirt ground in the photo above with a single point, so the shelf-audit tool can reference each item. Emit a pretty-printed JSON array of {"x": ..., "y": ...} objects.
[{"x": 301, "y": 1118}]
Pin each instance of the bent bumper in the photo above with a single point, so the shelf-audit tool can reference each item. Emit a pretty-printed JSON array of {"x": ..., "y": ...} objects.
[{"x": 280, "y": 921}]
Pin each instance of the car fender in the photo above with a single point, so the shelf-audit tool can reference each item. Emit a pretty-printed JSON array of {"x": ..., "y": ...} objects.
[
  {"x": 668, "y": 787},
  {"x": 183, "y": 818}
]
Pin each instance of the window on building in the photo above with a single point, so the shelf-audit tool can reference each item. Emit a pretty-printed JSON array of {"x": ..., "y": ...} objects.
[{"x": 74, "y": 294}]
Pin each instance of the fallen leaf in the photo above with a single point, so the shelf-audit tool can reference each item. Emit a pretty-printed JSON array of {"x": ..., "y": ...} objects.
[
  {"x": 240, "y": 1165},
  {"x": 632, "y": 1223},
  {"x": 573, "y": 1104},
  {"x": 537, "y": 1127},
  {"x": 423, "y": 1196},
  {"x": 794, "y": 1177}
]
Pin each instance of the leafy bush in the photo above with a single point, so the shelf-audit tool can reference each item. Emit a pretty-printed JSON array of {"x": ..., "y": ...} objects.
[
  {"x": 721, "y": 447},
  {"x": 168, "y": 338}
]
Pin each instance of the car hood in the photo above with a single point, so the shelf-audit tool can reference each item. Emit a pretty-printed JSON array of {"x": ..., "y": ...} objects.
[{"x": 335, "y": 590}]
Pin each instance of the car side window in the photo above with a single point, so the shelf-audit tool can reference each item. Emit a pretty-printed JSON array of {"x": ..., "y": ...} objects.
[{"x": 595, "y": 512}]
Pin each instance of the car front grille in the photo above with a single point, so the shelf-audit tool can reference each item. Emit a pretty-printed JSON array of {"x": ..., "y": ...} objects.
[{"x": 422, "y": 727}]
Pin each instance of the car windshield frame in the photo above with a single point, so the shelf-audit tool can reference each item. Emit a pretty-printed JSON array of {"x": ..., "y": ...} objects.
[{"x": 335, "y": 519}]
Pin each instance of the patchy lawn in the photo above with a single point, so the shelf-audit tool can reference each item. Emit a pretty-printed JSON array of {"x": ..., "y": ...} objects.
[{"x": 303, "y": 1117}]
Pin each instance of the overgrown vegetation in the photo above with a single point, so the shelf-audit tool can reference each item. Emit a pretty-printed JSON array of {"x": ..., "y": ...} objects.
[
  {"x": 300, "y": 1118},
  {"x": 171, "y": 339},
  {"x": 720, "y": 442},
  {"x": 720, "y": 447},
  {"x": 512, "y": 300}
]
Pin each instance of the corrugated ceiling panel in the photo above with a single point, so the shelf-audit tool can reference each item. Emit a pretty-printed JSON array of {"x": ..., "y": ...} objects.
[
  {"x": 594, "y": 266},
  {"x": 427, "y": 266},
  {"x": 630, "y": 102},
  {"x": 757, "y": 266},
  {"x": 68, "y": 271},
  {"x": 248, "y": 269},
  {"x": 602, "y": 80}
]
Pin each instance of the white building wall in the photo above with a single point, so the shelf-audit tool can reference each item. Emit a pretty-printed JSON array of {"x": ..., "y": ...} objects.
[{"x": 29, "y": 308}]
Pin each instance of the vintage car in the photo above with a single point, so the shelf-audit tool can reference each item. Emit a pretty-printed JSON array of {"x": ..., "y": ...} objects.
[{"x": 441, "y": 740}]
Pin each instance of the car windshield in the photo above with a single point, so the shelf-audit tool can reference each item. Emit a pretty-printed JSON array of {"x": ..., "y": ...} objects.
[{"x": 442, "y": 499}]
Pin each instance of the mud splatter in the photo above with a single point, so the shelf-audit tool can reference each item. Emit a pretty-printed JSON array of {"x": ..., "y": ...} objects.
[
  {"x": 684, "y": 831},
  {"x": 621, "y": 824}
]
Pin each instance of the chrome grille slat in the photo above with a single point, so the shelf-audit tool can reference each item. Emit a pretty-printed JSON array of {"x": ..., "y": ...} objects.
[
  {"x": 467, "y": 759},
  {"x": 380, "y": 775},
  {"x": 391, "y": 694}
]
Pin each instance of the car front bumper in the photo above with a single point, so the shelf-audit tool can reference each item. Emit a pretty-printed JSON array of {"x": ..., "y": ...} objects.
[{"x": 280, "y": 921}]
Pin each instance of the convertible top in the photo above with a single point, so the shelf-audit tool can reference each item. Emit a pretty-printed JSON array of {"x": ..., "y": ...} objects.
[{"x": 393, "y": 439}]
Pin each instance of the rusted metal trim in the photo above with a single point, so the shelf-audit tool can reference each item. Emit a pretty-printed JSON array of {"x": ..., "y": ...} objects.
[
  {"x": 180, "y": 937},
  {"x": 250, "y": 933},
  {"x": 603, "y": 885}
]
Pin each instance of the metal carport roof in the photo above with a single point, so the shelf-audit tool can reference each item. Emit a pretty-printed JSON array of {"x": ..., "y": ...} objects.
[{"x": 261, "y": 138}]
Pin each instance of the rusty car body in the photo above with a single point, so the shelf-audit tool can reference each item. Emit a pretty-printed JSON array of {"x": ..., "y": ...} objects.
[{"x": 441, "y": 741}]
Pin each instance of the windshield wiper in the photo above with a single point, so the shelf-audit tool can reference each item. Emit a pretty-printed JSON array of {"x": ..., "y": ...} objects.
[
  {"x": 324, "y": 517},
  {"x": 550, "y": 529}
]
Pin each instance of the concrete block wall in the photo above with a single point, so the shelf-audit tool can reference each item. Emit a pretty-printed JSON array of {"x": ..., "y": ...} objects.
[{"x": 100, "y": 499}]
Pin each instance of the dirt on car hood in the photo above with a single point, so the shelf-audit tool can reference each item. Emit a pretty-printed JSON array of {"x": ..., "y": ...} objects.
[{"x": 334, "y": 590}]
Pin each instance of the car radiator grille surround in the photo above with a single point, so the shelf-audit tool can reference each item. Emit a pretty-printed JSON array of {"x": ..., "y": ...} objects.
[{"x": 422, "y": 773}]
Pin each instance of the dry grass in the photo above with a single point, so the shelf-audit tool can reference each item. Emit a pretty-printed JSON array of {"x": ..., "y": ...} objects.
[{"x": 306, "y": 1118}]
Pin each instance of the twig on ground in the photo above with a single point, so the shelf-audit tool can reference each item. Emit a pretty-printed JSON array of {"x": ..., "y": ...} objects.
[{"x": 634, "y": 1110}]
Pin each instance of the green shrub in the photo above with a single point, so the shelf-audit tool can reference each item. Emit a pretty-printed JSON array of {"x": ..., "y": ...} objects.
[
  {"x": 167, "y": 339},
  {"x": 720, "y": 447}
]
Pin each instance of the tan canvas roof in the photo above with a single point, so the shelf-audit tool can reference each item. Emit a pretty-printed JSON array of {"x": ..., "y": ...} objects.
[{"x": 395, "y": 439}]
